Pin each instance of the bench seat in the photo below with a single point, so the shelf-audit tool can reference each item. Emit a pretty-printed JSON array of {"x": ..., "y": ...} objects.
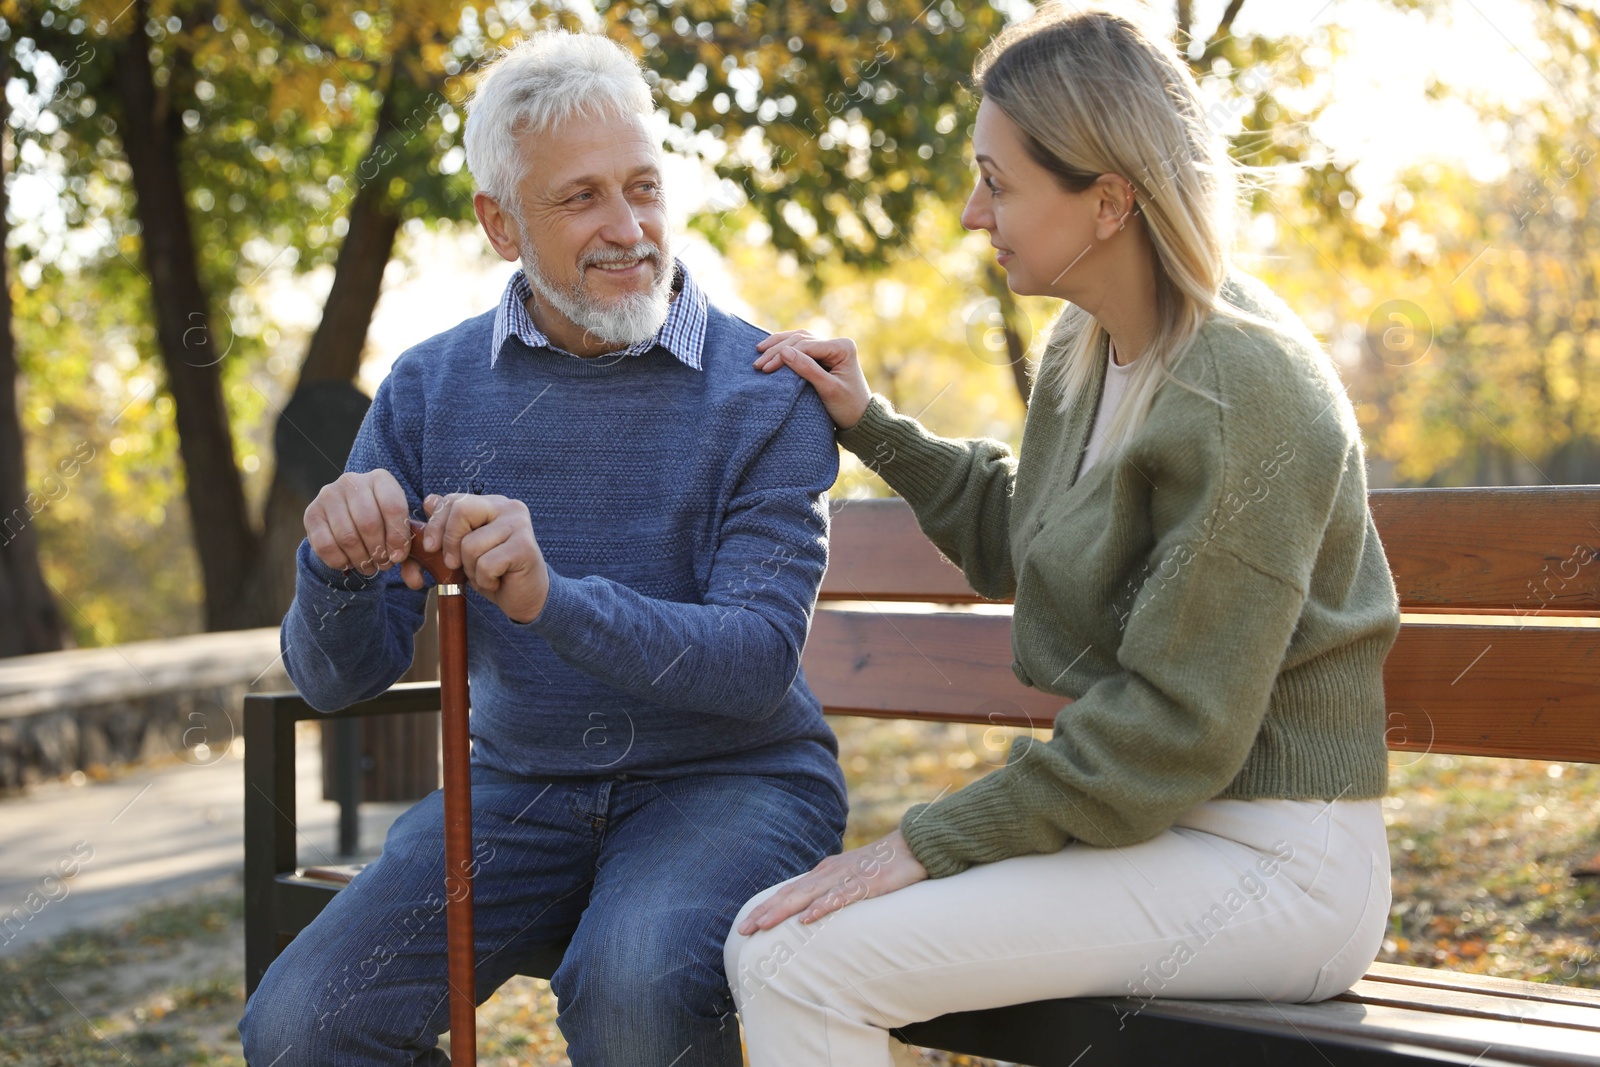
[{"x": 1395, "y": 1015}]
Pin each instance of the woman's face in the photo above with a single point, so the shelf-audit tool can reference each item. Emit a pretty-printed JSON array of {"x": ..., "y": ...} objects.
[{"x": 1041, "y": 231}]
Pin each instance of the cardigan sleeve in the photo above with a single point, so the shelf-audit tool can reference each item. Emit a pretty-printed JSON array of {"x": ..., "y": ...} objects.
[
  {"x": 960, "y": 490},
  {"x": 1198, "y": 658}
]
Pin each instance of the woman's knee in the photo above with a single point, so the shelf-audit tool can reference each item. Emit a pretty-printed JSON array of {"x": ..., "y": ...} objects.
[
  {"x": 740, "y": 951},
  {"x": 804, "y": 962}
]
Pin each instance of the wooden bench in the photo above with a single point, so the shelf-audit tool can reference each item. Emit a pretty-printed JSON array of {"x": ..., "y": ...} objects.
[{"x": 1532, "y": 691}]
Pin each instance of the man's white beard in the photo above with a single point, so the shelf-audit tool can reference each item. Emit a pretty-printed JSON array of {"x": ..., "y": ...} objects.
[{"x": 620, "y": 321}]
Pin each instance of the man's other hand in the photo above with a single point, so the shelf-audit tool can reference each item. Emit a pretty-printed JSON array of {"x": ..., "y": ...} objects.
[
  {"x": 359, "y": 522},
  {"x": 491, "y": 538}
]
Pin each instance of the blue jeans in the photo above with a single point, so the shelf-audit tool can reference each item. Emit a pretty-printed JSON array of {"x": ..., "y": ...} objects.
[{"x": 642, "y": 875}]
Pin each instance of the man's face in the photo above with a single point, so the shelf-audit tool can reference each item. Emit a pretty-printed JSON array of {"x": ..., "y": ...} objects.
[{"x": 594, "y": 230}]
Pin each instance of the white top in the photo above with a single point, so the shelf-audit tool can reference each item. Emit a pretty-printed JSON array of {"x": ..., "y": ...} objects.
[{"x": 1116, "y": 384}]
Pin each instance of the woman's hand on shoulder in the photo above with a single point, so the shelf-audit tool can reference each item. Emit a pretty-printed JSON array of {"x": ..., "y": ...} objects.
[{"x": 831, "y": 366}]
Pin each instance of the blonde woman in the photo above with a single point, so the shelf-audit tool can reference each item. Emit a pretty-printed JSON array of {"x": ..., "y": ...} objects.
[{"x": 1186, "y": 535}]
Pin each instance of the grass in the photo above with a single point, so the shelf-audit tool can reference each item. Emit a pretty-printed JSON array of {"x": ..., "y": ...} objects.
[
  {"x": 163, "y": 989},
  {"x": 1482, "y": 849}
]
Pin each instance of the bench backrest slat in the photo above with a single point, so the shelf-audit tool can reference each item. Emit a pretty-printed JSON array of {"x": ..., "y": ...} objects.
[
  {"x": 1527, "y": 691},
  {"x": 876, "y": 551},
  {"x": 1530, "y": 693},
  {"x": 1520, "y": 550},
  {"x": 1517, "y": 550},
  {"x": 947, "y": 665}
]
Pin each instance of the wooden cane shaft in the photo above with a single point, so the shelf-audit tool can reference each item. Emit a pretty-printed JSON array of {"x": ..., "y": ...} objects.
[
  {"x": 457, "y": 826},
  {"x": 457, "y": 798}
]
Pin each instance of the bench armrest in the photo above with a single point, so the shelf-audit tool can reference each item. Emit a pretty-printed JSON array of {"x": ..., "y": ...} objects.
[{"x": 269, "y": 797}]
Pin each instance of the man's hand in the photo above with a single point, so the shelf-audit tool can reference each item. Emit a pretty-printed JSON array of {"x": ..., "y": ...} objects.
[
  {"x": 491, "y": 538},
  {"x": 359, "y": 522},
  {"x": 869, "y": 871}
]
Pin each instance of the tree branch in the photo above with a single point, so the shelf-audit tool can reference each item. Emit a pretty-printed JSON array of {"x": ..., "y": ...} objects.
[{"x": 1220, "y": 35}]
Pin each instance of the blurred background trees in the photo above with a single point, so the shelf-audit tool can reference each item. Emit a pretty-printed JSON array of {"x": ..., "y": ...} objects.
[{"x": 207, "y": 199}]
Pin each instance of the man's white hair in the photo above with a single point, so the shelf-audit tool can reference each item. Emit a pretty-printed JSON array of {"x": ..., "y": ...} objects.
[{"x": 545, "y": 80}]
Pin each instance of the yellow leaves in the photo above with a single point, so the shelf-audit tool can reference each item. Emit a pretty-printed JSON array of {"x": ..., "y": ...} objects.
[
  {"x": 767, "y": 62},
  {"x": 297, "y": 88},
  {"x": 1512, "y": 374},
  {"x": 433, "y": 55},
  {"x": 910, "y": 322},
  {"x": 1506, "y": 283},
  {"x": 1563, "y": 355},
  {"x": 107, "y": 16},
  {"x": 851, "y": 226}
]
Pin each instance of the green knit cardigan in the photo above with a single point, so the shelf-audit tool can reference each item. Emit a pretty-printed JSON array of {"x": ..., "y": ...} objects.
[{"x": 1213, "y": 597}]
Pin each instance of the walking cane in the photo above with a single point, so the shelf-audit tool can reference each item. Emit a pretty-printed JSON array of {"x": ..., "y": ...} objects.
[{"x": 457, "y": 798}]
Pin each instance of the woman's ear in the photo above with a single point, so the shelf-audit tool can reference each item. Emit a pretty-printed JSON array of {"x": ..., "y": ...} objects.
[{"x": 1114, "y": 205}]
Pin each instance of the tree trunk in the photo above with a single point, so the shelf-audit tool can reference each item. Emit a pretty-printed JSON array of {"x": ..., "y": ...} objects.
[
  {"x": 335, "y": 350},
  {"x": 248, "y": 575},
  {"x": 1016, "y": 350},
  {"x": 191, "y": 351},
  {"x": 334, "y": 354},
  {"x": 33, "y": 623}
]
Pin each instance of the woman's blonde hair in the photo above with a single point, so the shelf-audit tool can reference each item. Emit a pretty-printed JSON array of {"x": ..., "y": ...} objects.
[{"x": 1093, "y": 93}]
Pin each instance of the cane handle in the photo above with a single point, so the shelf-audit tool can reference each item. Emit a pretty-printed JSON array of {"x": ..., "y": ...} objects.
[{"x": 433, "y": 561}]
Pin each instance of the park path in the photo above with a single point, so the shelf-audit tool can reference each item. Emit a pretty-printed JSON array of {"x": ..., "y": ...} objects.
[{"x": 153, "y": 834}]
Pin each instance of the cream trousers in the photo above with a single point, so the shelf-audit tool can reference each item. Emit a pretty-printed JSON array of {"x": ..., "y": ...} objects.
[{"x": 1240, "y": 899}]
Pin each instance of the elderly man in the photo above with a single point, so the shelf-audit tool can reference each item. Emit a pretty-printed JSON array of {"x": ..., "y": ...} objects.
[{"x": 641, "y": 515}]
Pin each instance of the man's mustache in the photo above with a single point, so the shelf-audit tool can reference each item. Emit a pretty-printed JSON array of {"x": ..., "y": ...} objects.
[{"x": 645, "y": 250}]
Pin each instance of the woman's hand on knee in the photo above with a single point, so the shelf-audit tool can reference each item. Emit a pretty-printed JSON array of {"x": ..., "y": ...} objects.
[
  {"x": 869, "y": 871},
  {"x": 831, "y": 366}
]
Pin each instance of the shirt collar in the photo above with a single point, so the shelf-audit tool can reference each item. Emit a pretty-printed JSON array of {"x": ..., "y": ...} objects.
[{"x": 683, "y": 333}]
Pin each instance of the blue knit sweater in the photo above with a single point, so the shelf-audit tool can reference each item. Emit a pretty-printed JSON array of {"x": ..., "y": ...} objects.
[{"x": 683, "y": 518}]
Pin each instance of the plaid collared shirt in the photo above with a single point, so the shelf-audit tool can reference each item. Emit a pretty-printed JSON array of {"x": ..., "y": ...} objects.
[{"x": 683, "y": 333}]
